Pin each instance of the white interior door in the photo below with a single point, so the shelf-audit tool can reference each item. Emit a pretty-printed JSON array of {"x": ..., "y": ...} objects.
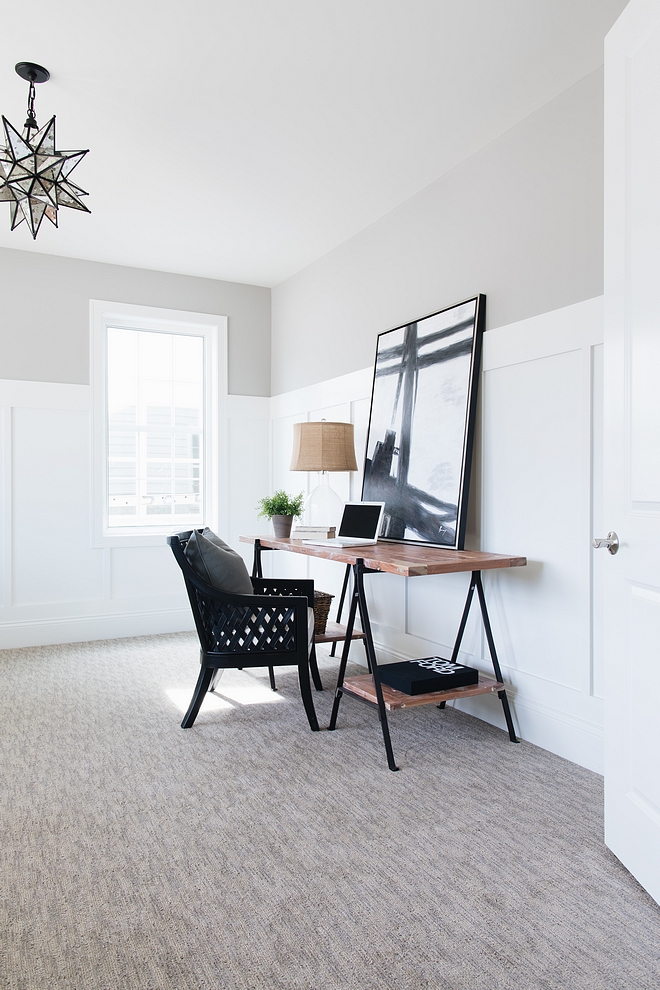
[{"x": 632, "y": 441}]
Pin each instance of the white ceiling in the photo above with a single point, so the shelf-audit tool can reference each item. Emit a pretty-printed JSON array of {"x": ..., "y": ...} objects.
[{"x": 243, "y": 140}]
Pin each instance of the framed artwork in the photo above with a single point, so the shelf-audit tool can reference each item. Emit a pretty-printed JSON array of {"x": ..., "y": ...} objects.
[{"x": 421, "y": 425}]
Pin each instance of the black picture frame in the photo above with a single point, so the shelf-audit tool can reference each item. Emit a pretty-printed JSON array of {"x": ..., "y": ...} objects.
[{"x": 421, "y": 425}]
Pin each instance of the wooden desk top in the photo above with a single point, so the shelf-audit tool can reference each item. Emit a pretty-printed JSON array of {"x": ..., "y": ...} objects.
[{"x": 407, "y": 559}]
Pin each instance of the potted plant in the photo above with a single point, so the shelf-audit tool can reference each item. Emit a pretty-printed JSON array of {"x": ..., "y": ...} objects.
[{"x": 281, "y": 508}]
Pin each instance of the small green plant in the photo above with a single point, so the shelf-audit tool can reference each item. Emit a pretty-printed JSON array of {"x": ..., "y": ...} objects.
[{"x": 281, "y": 504}]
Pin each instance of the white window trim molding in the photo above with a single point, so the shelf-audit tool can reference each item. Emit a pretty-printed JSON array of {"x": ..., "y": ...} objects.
[{"x": 214, "y": 330}]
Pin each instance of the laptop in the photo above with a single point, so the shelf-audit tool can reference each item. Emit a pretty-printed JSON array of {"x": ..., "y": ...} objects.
[{"x": 360, "y": 525}]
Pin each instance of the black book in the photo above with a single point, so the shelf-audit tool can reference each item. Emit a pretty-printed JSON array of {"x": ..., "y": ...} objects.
[{"x": 429, "y": 674}]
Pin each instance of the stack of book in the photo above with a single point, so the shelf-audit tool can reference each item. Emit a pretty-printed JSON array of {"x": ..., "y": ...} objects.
[
  {"x": 313, "y": 533},
  {"x": 427, "y": 675}
]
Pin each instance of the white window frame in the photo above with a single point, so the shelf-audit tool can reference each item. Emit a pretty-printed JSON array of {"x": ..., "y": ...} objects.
[{"x": 214, "y": 331}]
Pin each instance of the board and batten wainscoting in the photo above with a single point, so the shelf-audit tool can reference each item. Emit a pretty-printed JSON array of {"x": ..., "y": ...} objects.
[
  {"x": 55, "y": 585},
  {"x": 535, "y": 492}
]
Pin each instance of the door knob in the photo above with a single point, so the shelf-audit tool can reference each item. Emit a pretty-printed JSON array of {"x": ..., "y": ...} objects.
[{"x": 611, "y": 541}]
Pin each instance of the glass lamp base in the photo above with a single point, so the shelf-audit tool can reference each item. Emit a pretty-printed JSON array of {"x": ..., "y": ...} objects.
[{"x": 323, "y": 507}]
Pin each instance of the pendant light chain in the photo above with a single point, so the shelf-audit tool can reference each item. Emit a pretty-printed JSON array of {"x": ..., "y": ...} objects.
[{"x": 31, "y": 121}]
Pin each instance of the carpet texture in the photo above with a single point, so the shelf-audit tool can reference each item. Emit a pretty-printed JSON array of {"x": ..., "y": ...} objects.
[{"x": 250, "y": 853}]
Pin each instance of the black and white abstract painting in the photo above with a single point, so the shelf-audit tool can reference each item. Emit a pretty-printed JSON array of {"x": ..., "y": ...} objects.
[{"x": 421, "y": 426}]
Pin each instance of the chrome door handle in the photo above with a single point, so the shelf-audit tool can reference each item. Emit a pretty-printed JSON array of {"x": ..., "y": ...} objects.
[{"x": 611, "y": 541}]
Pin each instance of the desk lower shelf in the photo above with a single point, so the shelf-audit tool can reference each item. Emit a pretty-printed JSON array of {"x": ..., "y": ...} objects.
[
  {"x": 334, "y": 633},
  {"x": 363, "y": 687}
]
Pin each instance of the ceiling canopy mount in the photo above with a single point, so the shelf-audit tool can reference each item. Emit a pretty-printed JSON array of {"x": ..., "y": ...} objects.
[{"x": 32, "y": 72}]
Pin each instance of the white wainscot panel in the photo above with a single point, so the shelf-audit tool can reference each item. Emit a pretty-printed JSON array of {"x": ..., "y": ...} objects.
[
  {"x": 52, "y": 558},
  {"x": 328, "y": 575},
  {"x": 360, "y": 419},
  {"x": 435, "y": 606},
  {"x": 282, "y": 433},
  {"x": 535, "y": 503},
  {"x": 340, "y": 481},
  {"x": 143, "y": 572},
  {"x": 386, "y": 599},
  {"x": 280, "y": 563},
  {"x": 248, "y": 480},
  {"x": 340, "y": 412}
]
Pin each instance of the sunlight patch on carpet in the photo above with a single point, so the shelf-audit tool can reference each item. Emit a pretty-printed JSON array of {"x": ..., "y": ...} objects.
[
  {"x": 181, "y": 698},
  {"x": 248, "y": 693}
]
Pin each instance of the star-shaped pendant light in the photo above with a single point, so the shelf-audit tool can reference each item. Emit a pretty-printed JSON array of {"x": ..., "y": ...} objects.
[{"x": 34, "y": 177}]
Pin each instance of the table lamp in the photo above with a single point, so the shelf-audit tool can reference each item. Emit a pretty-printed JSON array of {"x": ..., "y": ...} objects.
[{"x": 324, "y": 447}]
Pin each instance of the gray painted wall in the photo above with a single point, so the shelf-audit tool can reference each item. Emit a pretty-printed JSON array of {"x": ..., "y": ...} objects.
[
  {"x": 44, "y": 315},
  {"x": 521, "y": 220}
]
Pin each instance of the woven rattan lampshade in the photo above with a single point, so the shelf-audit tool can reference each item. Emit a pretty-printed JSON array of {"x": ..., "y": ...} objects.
[{"x": 323, "y": 446}]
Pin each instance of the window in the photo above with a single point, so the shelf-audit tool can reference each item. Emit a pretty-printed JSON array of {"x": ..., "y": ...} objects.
[
  {"x": 156, "y": 421},
  {"x": 155, "y": 427}
]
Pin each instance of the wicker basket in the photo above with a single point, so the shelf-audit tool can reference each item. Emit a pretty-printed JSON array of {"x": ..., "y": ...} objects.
[{"x": 322, "y": 602}]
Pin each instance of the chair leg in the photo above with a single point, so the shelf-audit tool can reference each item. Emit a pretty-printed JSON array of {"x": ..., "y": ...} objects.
[
  {"x": 306, "y": 694},
  {"x": 271, "y": 677},
  {"x": 202, "y": 686},
  {"x": 314, "y": 667}
]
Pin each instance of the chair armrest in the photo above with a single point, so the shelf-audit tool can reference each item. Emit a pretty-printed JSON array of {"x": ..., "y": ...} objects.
[
  {"x": 285, "y": 586},
  {"x": 275, "y": 625}
]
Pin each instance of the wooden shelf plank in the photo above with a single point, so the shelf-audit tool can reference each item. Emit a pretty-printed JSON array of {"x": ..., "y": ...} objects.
[
  {"x": 334, "y": 633},
  {"x": 363, "y": 687}
]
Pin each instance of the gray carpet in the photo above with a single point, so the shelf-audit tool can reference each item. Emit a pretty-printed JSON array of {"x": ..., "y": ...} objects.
[{"x": 248, "y": 852}]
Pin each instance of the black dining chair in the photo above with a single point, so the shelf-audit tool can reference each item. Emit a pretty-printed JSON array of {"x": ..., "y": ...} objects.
[{"x": 267, "y": 629}]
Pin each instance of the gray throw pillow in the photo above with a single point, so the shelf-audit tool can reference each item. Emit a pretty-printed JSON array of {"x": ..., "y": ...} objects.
[{"x": 217, "y": 564}]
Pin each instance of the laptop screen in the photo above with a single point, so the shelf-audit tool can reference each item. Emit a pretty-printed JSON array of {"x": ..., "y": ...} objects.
[{"x": 360, "y": 520}]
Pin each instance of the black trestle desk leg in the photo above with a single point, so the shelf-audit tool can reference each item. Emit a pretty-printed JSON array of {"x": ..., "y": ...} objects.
[
  {"x": 340, "y": 607},
  {"x": 344, "y": 660},
  {"x": 464, "y": 618},
  {"x": 371, "y": 655},
  {"x": 461, "y": 627},
  {"x": 493, "y": 656}
]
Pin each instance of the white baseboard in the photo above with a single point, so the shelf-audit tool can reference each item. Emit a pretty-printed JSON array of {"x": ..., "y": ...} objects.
[
  {"x": 86, "y": 628},
  {"x": 572, "y": 738}
]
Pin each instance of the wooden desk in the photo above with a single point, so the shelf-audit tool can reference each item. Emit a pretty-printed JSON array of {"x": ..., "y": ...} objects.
[{"x": 407, "y": 560}]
